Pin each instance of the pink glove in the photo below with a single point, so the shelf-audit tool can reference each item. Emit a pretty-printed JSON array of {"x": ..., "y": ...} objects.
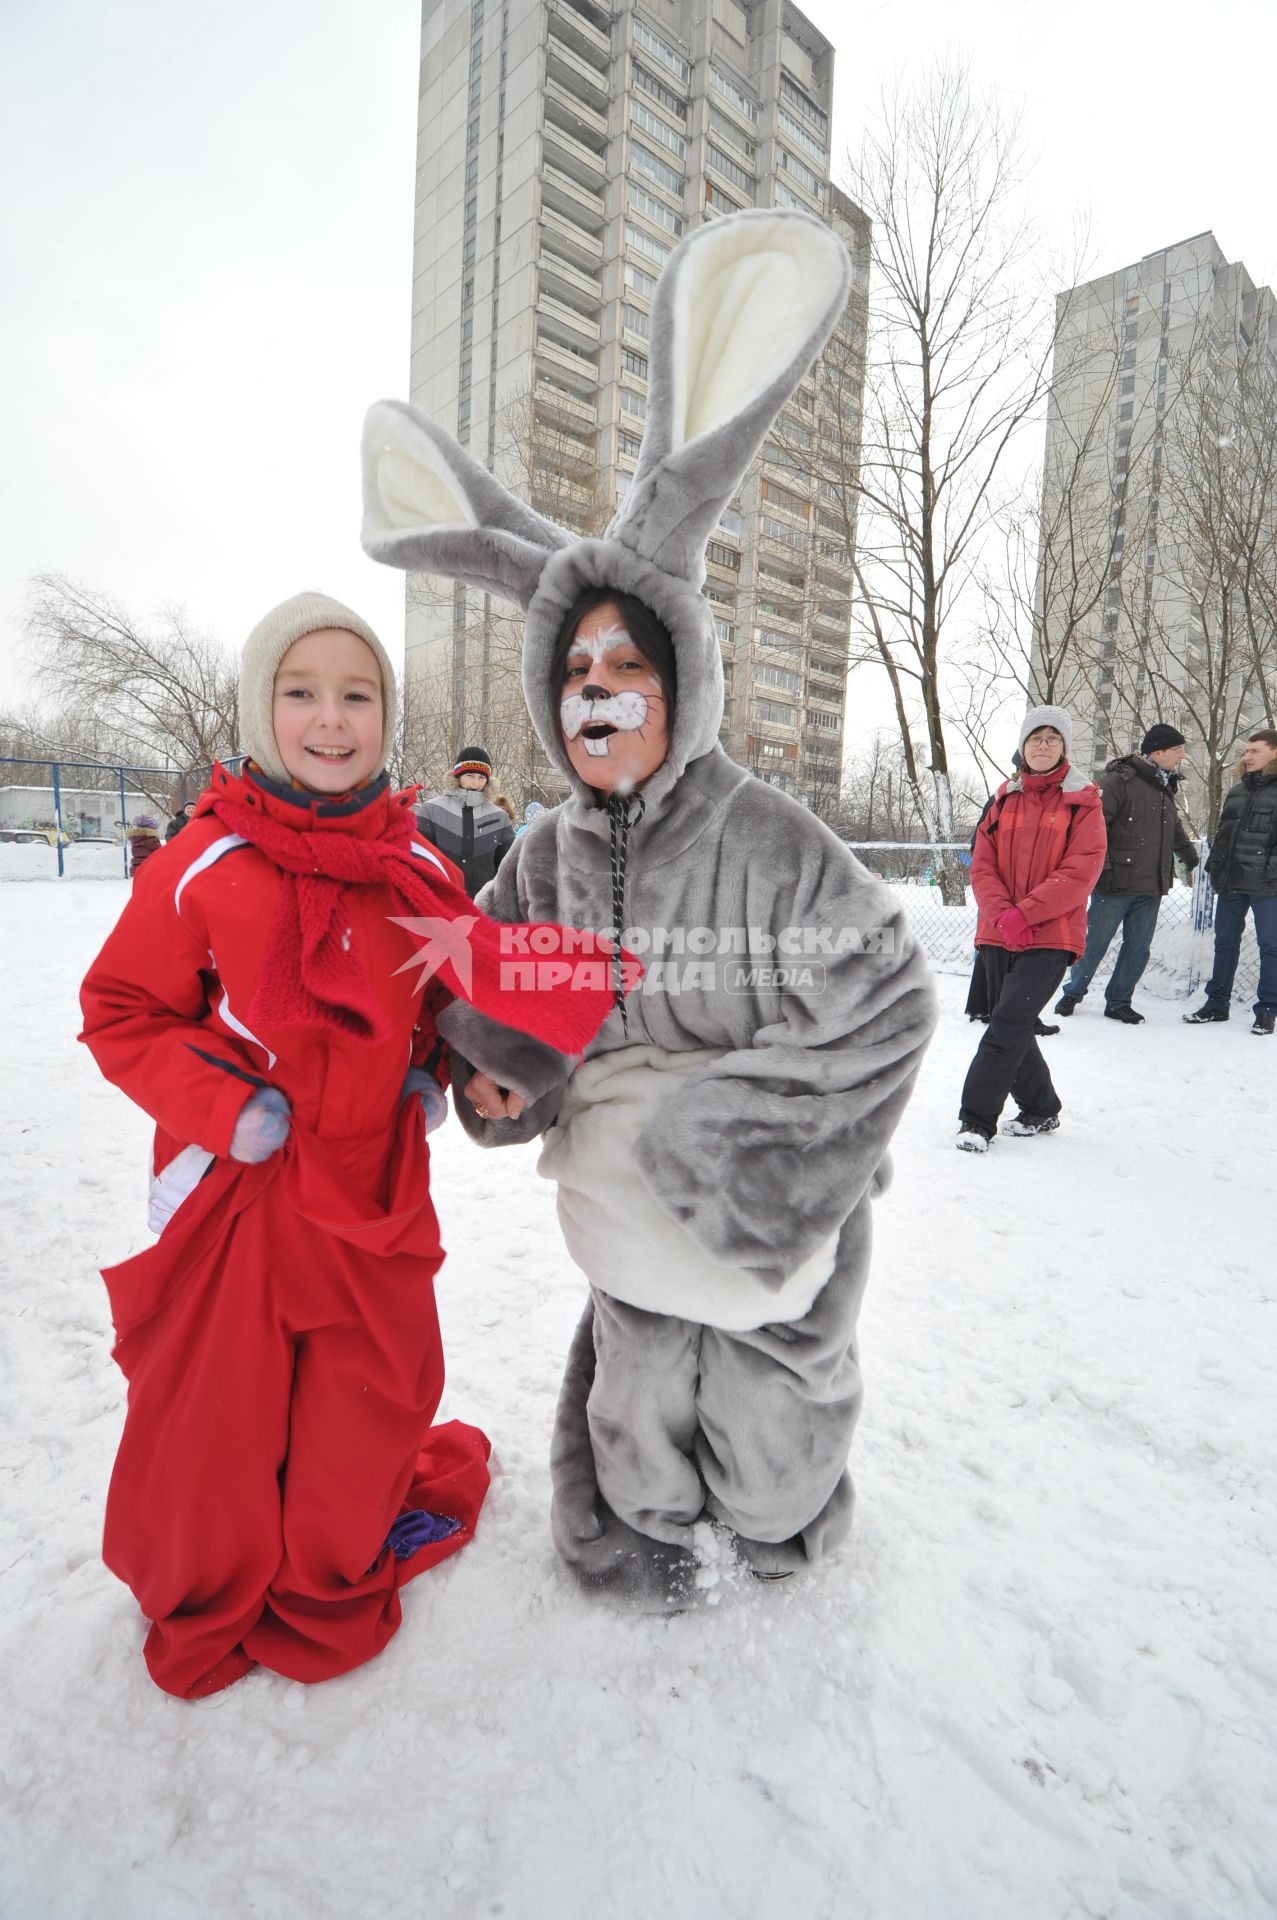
[{"x": 1014, "y": 928}]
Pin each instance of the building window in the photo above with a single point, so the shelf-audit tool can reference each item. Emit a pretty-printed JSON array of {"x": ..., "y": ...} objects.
[
  {"x": 803, "y": 101},
  {"x": 638, "y": 281},
  {"x": 788, "y": 502},
  {"x": 634, "y": 402},
  {"x": 641, "y": 116},
  {"x": 655, "y": 210},
  {"x": 718, "y": 200},
  {"x": 771, "y": 710},
  {"x": 787, "y": 643},
  {"x": 719, "y": 554},
  {"x": 635, "y": 363},
  {"x": 725, "y": 631},
  {"x": 657, "y": 90},
  {"x": 636, "y": 321},
  {"x": 646, "y": 243},
  {"x": 807, "y": 141},
  {"x": 781, "y": 530},
  {"x": 735, "y": 136},
  {"x": 730, "y": 170},
  {"x": 628, "y": 444},
  {"x": 660, "y": 50},
  {"x": 656, "y": 169},
  {"x": 731, "y": 92},
  {"x": 831, "y": 722},
  {"x": 782, "y": 677},
  {"x": 801, "y": 173}
]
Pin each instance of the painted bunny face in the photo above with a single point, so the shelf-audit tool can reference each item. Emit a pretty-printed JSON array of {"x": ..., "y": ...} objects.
[{"x": 612, "y": 706}]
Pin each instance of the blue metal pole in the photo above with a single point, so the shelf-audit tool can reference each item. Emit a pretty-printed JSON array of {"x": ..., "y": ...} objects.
[
  {"x": 57, "y": 816},
  {"x": 124, "y": 824}
]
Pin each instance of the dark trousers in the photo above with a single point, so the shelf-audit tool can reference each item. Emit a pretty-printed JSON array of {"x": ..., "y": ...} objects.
[
  {"x": 1008, "y": 1059},
  {"x": 1136, "y": 915},
  {"x": 1230, "y": 924}
]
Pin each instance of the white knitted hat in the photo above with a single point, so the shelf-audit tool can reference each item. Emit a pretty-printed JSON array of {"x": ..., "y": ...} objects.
[
  {"x": 1048, "y": 717},
  {"x": 259, "y": 662}
]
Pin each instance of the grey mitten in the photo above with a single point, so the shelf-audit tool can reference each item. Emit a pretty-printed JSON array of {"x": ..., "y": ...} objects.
[
  {"x": 424, "y": 1087},
  {"x": 262, "y": 1127}
]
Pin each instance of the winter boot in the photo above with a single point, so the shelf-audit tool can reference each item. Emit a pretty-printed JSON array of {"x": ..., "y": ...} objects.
[
  {"x": 1025, "y": 1125},
  {"x": 1041, "y": 1031},
  {"x": 1264, "y": 1023},
  {"x": 1066, "y": 1004},
  {"x": 1206, "y": 1016},
  {"x": 972, "y": 1139},
  {"x": 1126, "y": 1014}
]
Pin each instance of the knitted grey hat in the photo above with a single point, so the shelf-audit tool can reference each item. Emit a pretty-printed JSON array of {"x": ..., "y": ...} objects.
[
  {"x": 1048, "y": 717},
  {"x": 266, "y": 646}
]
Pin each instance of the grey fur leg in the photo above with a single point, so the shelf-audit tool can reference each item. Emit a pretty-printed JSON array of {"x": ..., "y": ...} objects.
[
  {"x": 605, "y": 1557},
  {"x": 831, "y": 1526}
]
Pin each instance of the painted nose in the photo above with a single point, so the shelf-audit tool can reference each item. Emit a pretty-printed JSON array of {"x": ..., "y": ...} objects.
[{"x": 596, "y": 693}]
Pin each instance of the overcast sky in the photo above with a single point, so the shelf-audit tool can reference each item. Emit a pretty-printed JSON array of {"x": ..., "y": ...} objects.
[{"x": 206, "y": 251}]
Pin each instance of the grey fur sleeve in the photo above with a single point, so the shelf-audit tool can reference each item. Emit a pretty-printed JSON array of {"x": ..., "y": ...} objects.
[
  {"x": 512, "y": 1059},
  {"x": 762, "y": 1154}
]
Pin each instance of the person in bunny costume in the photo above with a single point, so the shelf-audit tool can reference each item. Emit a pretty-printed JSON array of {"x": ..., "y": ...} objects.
[{"x": 717, "y": 1146}]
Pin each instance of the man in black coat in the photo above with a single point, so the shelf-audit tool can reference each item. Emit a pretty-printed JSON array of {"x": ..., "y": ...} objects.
[
  {"x": 1145, "y": 832},
  {"x": 1243, "y": 871},
  {"x": 475, "y": 835}
]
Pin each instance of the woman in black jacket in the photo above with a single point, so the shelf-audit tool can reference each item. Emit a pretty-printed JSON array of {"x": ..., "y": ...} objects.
[{"x": 1243, "y": 871}]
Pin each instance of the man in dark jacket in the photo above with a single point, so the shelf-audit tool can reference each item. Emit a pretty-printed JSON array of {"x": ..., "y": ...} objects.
[
  {"x": 180, "y": 819},
  {"x": 1243, "y": 871},
  {"x": 475, "y": 835},
  {"x": 1144, "y": 833}
]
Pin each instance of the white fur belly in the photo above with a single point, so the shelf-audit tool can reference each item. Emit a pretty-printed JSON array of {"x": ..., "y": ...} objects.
[{"x": 617, "y": 1232}]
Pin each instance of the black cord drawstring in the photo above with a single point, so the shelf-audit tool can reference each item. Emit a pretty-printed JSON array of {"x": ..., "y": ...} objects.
[{"x": 620, "y": 821}]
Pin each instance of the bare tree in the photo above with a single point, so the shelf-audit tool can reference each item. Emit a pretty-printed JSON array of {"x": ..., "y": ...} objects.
[
  {"x": 167, "y": 693},
  {"x": 959, "y": 345}
]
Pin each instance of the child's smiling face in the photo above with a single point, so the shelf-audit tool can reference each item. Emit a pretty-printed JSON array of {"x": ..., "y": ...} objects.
[{"x": 328, "y": 712}]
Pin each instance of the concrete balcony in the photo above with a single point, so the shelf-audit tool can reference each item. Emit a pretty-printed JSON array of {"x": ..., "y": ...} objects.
[
  {"x": 565, "y": 195},
  {"x": 562, "y": 322},
  {"x": 576, "y": 368},
  {"x": 585, "y": 166},
  {"x": 585, "y": 249},
  {"x": 580, "y": 32},
  {"x": 567, "y": 282},
  {"x": 577, "y": 75},
  {"x": 556, "y": 400},
  {"x": 569, "y": 110}
]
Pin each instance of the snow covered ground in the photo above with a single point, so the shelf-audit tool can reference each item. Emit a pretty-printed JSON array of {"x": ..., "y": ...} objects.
[{"x": 1038, "y": 1684}]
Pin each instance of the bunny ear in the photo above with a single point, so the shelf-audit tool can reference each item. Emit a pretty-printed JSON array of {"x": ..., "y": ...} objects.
[
  {"x": 430, "y": 508},
  {"x": 743, "y": 307}
]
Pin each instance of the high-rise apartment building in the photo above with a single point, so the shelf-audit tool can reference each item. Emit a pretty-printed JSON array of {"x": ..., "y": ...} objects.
[
  {"x": 564, "y": 147},
  {"x": 1156, "y": 591}
]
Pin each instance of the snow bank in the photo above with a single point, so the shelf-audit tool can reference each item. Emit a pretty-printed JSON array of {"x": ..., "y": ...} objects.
[{"x": 1038, "y": 1683}]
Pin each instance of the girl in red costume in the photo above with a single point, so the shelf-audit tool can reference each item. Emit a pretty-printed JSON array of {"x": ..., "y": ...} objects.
[{"x": 269, "y": 997}]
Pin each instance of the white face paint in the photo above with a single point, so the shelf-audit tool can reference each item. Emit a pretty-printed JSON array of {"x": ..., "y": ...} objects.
[{"x": 612, "y": 709}]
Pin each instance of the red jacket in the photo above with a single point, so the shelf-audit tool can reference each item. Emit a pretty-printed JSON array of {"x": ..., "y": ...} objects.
[
  {"x": 1040, "y": 848},
  {"x": 165, "y": 1003}
]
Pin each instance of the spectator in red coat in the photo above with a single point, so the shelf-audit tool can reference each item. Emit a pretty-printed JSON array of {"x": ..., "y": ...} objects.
[
  {"x": 279, "y": 1478},
  {"x": 1038, "y": 852}
]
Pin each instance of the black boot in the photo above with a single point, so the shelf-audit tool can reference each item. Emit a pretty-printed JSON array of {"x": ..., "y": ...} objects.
[
  {"x": 1264, "y": 1022},
  {"x": 1065, "y": 1004},
  {"x": 1206, "y": 1016},
  {"x": 1026, "y": 1126},
  {"x": 1127, "y": 1015}
]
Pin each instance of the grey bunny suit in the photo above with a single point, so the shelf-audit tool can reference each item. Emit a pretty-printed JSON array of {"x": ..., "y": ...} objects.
[{"x": 717, "y": 1149}]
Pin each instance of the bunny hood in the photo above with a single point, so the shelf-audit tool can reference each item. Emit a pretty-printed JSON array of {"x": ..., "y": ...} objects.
[{"x": 741, "y": 310}]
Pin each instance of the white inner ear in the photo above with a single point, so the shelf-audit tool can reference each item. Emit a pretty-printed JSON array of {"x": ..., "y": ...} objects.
[
  {"x": 419, "y": 489},
  {"x": 747, "y": 300}
]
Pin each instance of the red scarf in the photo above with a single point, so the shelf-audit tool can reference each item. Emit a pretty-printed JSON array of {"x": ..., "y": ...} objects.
[{"x": 310, "y": 979}]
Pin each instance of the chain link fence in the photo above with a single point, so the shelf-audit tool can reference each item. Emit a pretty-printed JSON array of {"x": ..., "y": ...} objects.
[
  {"x": 1182, "y": 946},
  {"x": 52, "y": 826}
]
